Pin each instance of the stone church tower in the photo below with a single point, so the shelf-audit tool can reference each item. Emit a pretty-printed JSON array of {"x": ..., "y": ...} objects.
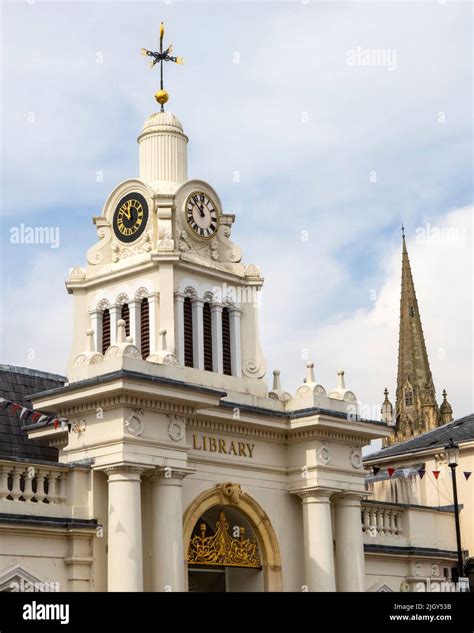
[{"x": 416, "y": 409}]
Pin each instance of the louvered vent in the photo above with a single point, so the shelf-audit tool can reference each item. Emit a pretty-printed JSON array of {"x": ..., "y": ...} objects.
[
  {"x": 207, "y": 327},
  {"x": 126, "y": 318},
  {"x": 188, "y": 333},
  {"x": 145, "y": 328},
  {"x": 105, "y": 331},
  {"x": 226, "y": 358}
]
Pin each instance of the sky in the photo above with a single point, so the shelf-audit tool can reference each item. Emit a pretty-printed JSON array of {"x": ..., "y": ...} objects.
[{"x": 321, "y": 147}]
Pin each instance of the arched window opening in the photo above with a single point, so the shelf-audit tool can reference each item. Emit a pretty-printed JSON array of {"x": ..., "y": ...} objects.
[
  {"x": 207, "y": 331},
  {"x": 226, "y": 356},
  {"x": 408, "y": 398},
  {"x": 188, "y": 333},
  {"x": 126, "y": 317},
  {"x": 145, "y": 328},
  {"x": 105, "y": 331}
]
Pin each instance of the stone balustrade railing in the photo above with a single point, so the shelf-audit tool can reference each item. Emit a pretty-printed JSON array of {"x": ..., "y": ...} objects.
[
  {"x": 379, "y": 519},
  {"x": 33, "y": 483}
]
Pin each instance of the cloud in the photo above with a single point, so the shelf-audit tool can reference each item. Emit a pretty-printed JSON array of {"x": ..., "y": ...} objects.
[
  {"x": 288, "y": 133},
  {"x": 364, "y": 341},
  {"x": 37, "y": 316}
]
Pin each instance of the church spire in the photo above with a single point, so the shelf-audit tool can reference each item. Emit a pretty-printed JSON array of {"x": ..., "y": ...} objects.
[{"x": 416, "y": 407}]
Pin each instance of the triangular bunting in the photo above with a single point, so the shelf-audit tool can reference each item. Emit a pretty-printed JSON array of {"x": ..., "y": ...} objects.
[
  {"x": 15, "y": 407},
  {"x": 42, "y": 417},
  {"x": 375, "y": 469},
  {"x": 406, "y": 472},
  {"x": 436, "y": 473},
  {"x": 421, "y": 472},
  {"x": 56, "y": 423},
  {"x": 35, "y": 416},
  {"x": 390, "y": 471},
  {"x": 467, "y": 474},
  {"x": 23, "y": 411}
]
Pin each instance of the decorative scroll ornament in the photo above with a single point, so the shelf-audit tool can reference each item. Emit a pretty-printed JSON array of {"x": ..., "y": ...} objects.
[{"x": 221, "y": 549}]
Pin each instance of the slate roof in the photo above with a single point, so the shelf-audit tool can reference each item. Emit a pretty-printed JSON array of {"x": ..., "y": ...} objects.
[
  {"x": 461, "y": 430},
  {"x": 16, "y": 384}
]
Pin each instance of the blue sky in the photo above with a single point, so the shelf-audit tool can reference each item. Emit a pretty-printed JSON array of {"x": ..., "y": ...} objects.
[{"x": 303, "y": 128}]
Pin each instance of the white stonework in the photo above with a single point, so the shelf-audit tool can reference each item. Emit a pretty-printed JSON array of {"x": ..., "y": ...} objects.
[{"x": 158, "y": 450}]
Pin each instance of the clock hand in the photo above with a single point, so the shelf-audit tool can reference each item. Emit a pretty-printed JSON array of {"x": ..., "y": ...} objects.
[
  {"x": 199, "y": 207},
  {"x": 127, "y": 211}
]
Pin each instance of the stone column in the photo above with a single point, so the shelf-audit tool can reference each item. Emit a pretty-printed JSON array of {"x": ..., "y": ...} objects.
[
  {"x": 115, "y": 315},
  {"x": 217, "y": 355},
  {"x": 167, "y": 530},
  {"x": 134, "y": 307},
  {"x": 235, "y": 346},
  {"x": 96, "y": 325},
  {"x": 318, "y": 541},
  {"x": 153, "y": 321},
  {"x": 198, "y": 333},
  {"x": 125, "y": 557},
  {"x": 350, "y": 560},
  {"x": 179, "y": 326}
]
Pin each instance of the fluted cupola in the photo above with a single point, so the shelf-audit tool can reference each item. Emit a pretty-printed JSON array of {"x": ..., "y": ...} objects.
[{"x": 163, "y": 153}]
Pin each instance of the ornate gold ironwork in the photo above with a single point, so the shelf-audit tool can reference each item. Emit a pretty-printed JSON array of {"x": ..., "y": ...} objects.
[{"x": 222, "y": 549}]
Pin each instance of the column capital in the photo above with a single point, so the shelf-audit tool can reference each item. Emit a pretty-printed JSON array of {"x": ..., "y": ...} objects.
[
  {"x": 130, "y": 471},
  {"x": 349, "y": 498},
  {"x": 168, "y": 475},
  {"x": 315, "y": 495}
]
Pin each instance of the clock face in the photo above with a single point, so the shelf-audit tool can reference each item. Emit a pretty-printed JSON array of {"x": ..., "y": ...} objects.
[
  {"x": 201, "y": 215},
  {"x": 130, "y": 217}
]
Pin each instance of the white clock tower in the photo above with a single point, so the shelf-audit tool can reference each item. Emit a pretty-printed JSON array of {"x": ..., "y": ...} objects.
[
  {"x": 165, "y": 264},
  {"x": 179, "y": 443}
]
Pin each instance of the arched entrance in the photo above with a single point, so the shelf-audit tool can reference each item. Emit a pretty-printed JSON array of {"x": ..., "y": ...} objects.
[{"x": 229, "y": 543}]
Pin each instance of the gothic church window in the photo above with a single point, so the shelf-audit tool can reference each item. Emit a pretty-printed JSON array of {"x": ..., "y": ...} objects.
[
  {"x": 188, "y": 333},
  {"x": 145, "y": 328},
  {"x": 226, "y": 354},
  {"x": 207, "y": 333},
  {"x": 105, "y": 331},
  {"x": 408, "y": 398}
]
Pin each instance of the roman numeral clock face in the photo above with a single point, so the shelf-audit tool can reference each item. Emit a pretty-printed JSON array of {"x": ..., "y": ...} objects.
[
  {"x": 201, "y": 215},
  {"x": 130, "y": 217}
]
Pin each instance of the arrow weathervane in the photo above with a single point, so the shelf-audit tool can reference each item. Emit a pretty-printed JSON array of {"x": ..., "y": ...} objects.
[{"x": 162, "y": 56}]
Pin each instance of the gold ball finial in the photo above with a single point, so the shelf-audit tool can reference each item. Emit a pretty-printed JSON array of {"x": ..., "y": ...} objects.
[{"x": 162, "y": 97}]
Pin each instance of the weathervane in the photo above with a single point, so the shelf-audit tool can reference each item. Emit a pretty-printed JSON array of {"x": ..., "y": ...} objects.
[{"x": 162, "y": 56}]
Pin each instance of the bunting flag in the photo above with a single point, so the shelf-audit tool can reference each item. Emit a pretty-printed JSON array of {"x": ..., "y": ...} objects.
[
  {"x": 25, "y": 413},
  {"x": 421, "y": 472}
]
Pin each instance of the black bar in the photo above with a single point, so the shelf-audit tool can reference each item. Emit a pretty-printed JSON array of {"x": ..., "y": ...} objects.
[{"x": 242, "y": 613}]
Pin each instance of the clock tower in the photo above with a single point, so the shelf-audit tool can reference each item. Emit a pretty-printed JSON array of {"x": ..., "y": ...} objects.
[{"x": 164, "y": 280}]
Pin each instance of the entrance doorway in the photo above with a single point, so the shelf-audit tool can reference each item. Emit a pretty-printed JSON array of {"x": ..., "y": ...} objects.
[{"x": 223, "y": 553}]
